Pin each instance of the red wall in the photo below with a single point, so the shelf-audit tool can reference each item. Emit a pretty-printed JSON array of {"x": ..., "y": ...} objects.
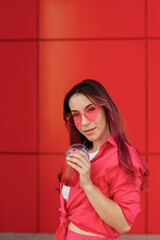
[{"x": 47, "y": 46}]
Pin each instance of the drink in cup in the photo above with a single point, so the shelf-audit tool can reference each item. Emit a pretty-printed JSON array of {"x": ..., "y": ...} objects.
[{"x": 70, "y": 176}]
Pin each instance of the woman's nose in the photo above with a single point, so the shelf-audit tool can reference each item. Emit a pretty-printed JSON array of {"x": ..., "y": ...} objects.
[{"x": 85, "y": 121}]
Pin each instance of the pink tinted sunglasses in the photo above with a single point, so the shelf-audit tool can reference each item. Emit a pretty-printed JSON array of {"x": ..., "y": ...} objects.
[{"x": 75, "y": 118}]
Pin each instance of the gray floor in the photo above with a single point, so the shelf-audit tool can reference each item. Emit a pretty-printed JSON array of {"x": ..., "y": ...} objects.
[{"x": 49, "y": 236}]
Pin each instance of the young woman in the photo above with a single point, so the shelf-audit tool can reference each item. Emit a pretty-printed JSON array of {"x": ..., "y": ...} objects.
[{"x": 106, "y": 200}]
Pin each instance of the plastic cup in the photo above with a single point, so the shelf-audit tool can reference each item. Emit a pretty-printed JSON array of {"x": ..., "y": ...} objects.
[{"x": 70, "y": 176}]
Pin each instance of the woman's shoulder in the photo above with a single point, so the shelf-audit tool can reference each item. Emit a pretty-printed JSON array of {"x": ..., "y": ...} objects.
[{"x": 113, "y": 165}]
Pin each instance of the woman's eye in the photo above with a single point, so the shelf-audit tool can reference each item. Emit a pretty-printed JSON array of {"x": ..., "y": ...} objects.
[
  {"x": 75, "y": 115},
  {"x": 91, "y": 109}
]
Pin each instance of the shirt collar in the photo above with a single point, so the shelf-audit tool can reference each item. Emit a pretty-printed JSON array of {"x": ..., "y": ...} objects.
[{"x": 111, "y": 141}]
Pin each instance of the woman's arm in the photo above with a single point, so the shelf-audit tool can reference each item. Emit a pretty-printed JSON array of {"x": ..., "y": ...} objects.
[{"x": 109, "y": 211}]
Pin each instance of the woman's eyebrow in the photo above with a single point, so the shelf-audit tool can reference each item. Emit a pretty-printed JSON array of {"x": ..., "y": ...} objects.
[
  {"x": 89, "y": 105},
  {"x": 84, "y": 108}
]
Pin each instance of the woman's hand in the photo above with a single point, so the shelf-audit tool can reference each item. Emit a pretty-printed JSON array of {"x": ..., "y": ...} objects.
[{"x": 79, "y": 160}]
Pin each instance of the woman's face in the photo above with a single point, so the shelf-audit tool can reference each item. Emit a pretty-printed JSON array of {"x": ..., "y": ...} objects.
[{"x": 96, "y": 131}]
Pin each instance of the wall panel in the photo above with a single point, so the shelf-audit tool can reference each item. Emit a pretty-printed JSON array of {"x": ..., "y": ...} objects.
[
  {"x": 18, "y": 96},
  {"x": 18, "y": 190},
  {"x": 153, "y": 95},
  {"x": 50, "y": 165},
  {"x": 153, "y": 20},
  {"x": 18, "y": 19},
  {"x": 88, "y": 19}
]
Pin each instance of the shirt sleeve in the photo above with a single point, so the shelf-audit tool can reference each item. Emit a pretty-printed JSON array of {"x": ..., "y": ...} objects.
[{"x": 125, "y": 193}]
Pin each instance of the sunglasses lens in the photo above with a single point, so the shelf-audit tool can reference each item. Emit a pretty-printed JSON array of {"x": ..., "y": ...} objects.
[
  {"x": 74, "y": 118},
  {"x": 91, "y": 113}
]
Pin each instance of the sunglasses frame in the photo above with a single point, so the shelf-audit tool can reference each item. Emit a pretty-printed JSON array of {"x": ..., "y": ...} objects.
[{"x": 70, "y": 114}]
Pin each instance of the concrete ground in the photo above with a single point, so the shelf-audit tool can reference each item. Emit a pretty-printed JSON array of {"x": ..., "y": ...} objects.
[{"x": 49, "y": 236}]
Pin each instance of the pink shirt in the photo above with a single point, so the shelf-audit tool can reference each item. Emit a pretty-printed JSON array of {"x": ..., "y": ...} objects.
[{"x": 113, "y": 183}]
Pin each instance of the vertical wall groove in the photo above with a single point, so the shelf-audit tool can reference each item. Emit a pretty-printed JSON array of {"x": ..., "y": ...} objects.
[
  {"x": 38, "y": 135},
  {"x": 146, "y": 105}
]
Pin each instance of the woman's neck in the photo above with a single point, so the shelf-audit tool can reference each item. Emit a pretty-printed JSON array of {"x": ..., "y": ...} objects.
[{"x": 98, "y": 144}]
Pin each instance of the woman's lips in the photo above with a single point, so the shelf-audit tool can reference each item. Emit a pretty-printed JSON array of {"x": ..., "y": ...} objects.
[{"x": 90, "y": 130}]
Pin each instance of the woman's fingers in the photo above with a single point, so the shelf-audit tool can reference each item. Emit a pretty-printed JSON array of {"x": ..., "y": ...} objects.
[
  {"x": 80, "y": 156},
  {"x": 79, "y": 161}
]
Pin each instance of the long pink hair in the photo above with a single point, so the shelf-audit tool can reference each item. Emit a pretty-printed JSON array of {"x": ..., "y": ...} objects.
[{"x": 94, "y": 89}]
